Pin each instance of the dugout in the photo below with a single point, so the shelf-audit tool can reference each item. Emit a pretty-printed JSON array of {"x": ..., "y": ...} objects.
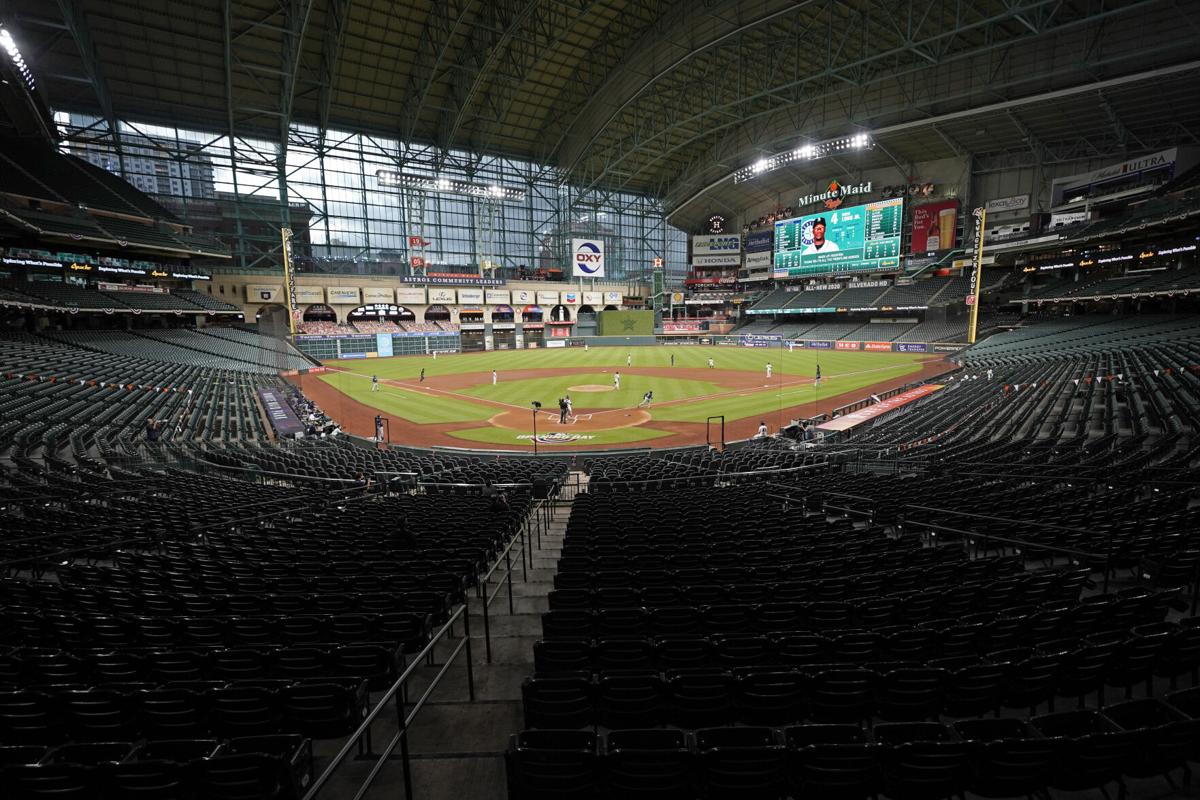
[
  {"x": 533, "y": 334},
  {"x": 472, "y": 336},
  {"x": 504, "y": 336}
]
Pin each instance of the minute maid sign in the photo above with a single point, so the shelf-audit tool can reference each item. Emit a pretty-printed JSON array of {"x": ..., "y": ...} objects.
[
  {"x": 835, "y": 194},
  {"x": 587, "y": 258}
]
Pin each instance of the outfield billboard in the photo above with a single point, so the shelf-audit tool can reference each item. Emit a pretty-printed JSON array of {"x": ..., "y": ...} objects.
[{"x": 626, "y": 323}]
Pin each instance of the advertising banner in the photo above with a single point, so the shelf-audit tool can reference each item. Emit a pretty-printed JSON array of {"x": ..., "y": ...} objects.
[
  {"x": 724, "y": 250},
  {"x": 878, "y": 347},
  {"x": 263, "y": 293},
  {"x": 760, "y": 340},
  {"x": 760, "y": 242},
  {"x": 410, "y": 297},
  {"x": 283, "y": 419},
  {"x": 587, "y": 258},
  {"x": 344, "y": 294},
  {"x": 548, "y": 299},
  {"x": 759, "y": 260},
  {"x": 862, "y": 238},
  {"x": 593, "y": 299},
  {"x": 1001, "y": 205},
  {"x": 731, "y": 260},
  {"x": 856, "y": 418},
  {"x": 570, "y": 298},
  {"x": 383, "y": 344},
  {"x": 847, "y": 345},
  {"x": 613, "y": 298},
  {"x": 912, "y": 347},
  {"x": 442, "y": 295},
  {"x": 310, "y": 294},
  {"x": 681, "y": 326},
  {"x": 378, "y": 295},
  {"x": 819, "y": 345},
  {"x": 976, "y": 277},
  {"x": 470, "y": 296},
  {"x": 934, "y": 226},
  {"x": 498, "y": 297},
  {"x": 455, "y": 278},
  {"x": 524, "y": 297}
]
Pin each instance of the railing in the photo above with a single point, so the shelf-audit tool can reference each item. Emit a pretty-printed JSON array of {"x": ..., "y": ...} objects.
[
  {"x": 982, "y": 540},
  {"x": 407, "y": 710},
  {"x": 397, "y": 692},
  {"x": 718, "y": 478}
]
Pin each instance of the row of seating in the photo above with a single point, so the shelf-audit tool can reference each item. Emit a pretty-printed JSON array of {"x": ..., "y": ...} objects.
[
  {"x": 759, "y": 692},
  {"x": 1172, "y": 649},
  {"x": 377, "y": 662},
  {"x": 270, "y": 767},
  {"x": 323, "y": 709},
  {"x": 40, "y": 628},
  {"x": 104, "y": 601},
  {"x": 1067, "y": 751}
]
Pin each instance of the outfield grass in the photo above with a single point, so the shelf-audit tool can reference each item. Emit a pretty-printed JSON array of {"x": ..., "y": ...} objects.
[
  {"x": 414, "y": 406},
  {"x": 752, "y": 359},
  {"x": 841, "y": 372},
  {"x": 770, "y": 399}
]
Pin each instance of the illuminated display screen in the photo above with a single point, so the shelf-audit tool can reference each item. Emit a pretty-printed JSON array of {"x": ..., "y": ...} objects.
[{"x": 862, "y": 238}]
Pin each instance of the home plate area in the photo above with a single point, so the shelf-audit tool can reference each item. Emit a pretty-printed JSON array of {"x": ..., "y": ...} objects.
[
  {"x": 571, "y": 420},
  {"x": 518, "y": 420}
]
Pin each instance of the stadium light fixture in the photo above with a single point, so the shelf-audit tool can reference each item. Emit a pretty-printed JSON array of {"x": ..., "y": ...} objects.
[
  {"x": 393, "y": 179},
  {"x": 9, "y": 45},
  {"x": 805, "y": 152}
]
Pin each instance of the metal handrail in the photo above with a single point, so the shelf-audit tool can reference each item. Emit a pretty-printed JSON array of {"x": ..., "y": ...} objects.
[
  {"x": 1080, "y": 555},
  {"x": 714, "y": 476},
  {"x": 393, "y": 692},
  {"x": 60, "y": 554},
  {"x": 990, "y": 518}
]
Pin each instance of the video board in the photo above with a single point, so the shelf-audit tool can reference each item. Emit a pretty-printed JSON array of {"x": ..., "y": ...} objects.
[{"x": 863, "y": 238}]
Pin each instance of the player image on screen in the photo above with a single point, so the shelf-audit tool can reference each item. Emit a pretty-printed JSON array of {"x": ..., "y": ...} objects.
[
  {"x": 819, "y": 243},
  {"x": 864, "y": 238}
]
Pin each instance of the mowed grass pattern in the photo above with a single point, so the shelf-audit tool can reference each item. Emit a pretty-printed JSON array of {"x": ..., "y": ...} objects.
[
  {"x": 414, "y": 405},
  {"x": 841, "y": 372}
]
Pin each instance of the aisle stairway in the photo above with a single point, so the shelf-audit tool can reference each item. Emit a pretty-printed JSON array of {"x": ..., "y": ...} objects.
[{"x": 457, "y": 746}]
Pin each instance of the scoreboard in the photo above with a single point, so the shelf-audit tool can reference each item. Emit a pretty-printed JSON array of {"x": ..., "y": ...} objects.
[{"x": 862, "y": 238}]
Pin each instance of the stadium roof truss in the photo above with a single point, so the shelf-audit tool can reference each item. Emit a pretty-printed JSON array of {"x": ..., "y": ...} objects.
[{"x": 662, "y": 97}]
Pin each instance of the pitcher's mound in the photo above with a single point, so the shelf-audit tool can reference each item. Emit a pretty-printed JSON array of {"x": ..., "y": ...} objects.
[{"x": 590, "y": 387}]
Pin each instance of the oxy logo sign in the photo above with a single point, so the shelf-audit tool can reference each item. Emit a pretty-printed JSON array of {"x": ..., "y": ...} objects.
[{"x": 587, "y": 258}]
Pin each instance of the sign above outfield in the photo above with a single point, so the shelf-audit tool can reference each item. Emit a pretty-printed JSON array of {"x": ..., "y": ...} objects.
[
  {"x": 453, "y": 279},
  {"x": 587, "y": 258}
]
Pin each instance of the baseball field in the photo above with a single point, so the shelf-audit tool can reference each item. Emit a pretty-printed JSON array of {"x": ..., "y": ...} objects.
[{"x": 451, "y": 400}]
